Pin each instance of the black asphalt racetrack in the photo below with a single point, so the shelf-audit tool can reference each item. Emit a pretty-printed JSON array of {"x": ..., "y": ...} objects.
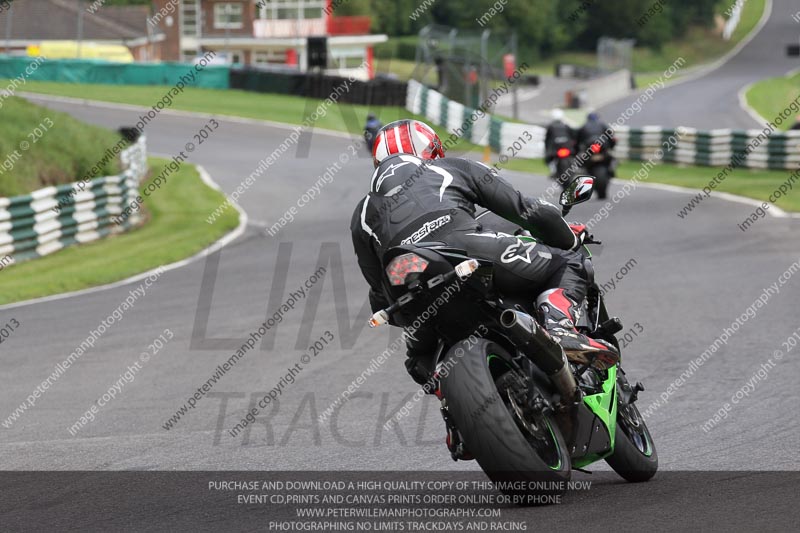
[
  {"x": 711, "y": 100},
  {"x": 690, "y": 279}
]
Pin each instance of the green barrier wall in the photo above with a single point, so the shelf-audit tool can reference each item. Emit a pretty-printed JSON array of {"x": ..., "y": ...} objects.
[{"x": 104, "y": 72}]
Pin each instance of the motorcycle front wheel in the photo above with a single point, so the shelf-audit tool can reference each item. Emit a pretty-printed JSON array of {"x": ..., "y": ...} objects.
[{"x": 635, "y": 457}]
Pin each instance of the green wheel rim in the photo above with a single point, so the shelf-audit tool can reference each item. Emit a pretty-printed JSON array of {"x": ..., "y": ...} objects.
[{"x": 492, "y": 357}]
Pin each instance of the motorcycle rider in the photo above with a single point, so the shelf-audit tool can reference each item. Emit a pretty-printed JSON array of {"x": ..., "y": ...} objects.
[
  {"x": 558, "y": 135},
  {"x": 592, "y": 131},
  {"x": 597, "y": 132},
  {"x": 415, "y": 188},
  {"x": 371, "y": 129}
]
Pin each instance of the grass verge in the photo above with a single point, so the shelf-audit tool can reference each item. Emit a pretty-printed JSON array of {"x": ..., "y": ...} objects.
[
  {"x": 769, "y": 97},
  {"x": 756, "y": 184},
  {"x": 176, "y": 229},
  {"x": 751, "y": 183},
  {"x": 261, "y": 106},
  {"x": 41, "y": 147}
]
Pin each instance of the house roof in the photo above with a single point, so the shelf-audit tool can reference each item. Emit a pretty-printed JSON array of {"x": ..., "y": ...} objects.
[{"x": 45, "y": 20}]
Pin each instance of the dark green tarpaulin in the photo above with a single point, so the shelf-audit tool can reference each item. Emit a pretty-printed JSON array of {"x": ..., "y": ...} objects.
[{"x": 104, "y": 72}]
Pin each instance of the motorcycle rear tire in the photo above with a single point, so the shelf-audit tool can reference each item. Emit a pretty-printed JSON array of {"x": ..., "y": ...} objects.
[
  {"x": 491, "y": 432},
  {"x": 600, "y": 172},
  {"x": 564, "y": 174}
]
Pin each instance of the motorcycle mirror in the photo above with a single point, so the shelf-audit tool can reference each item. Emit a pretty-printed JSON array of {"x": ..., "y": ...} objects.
[{"x": 578, "y": 190}]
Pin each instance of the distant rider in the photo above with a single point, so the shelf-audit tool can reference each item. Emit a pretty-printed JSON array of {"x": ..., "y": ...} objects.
[
  {"x": 595, "y": 131},
  {"x": 371, "y": 129},
  {"x": 558, "y": 135},
  {"x": 595, "y": 142}
]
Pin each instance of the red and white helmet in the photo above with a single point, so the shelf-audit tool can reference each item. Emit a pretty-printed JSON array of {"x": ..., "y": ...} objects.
[{"x": 407, "y": 137}]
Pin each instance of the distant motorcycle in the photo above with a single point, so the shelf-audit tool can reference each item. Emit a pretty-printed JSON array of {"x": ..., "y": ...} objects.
[
  {"x": 561, "y": 166},
  {"x": 600, "y": 165},
  {"x": 559, "y": 145}
]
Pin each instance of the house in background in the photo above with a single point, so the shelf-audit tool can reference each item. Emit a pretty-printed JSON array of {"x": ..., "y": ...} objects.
[
  {"x": 33, "y": 23},
  {"x": 265, "y": 33}
]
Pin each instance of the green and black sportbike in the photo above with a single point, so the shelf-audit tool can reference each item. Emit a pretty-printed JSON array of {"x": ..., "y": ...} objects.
[{"x": 520, "y": 408}]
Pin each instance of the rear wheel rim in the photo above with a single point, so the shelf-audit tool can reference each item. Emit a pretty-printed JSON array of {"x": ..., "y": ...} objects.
[
  {"x": 536, "y": 429},
  {"x": 539, "y": 434}
]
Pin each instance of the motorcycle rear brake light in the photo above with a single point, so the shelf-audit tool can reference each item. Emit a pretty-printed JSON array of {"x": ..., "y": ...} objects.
[
  {"x": 562, "y": 152},
  {"x": 596, "y": 148},
  {"x": 403, "y": 265}
]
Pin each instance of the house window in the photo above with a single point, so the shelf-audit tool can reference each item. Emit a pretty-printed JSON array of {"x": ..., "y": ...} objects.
[
  {"x": 347, "y": 57},
  {"x": 269, "y": 57},
  {"x": 351, "y": 61},
  {"x": 288, "y": 13},
  {"x": 188, "y": 56},
  {"x": 292, "y": 9},
  {"x": 234, "y": 56},
  {"x": 228, "y": 16}
]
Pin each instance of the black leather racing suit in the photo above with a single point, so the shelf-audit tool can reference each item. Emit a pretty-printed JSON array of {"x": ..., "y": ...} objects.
[
  {"x": 592, "y": 132},
  {"x": 414, "y": 201},
  {"x": 558, "y": 135}
]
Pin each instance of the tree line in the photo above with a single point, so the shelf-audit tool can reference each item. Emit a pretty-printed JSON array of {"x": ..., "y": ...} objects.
[{"x": 546, "y": 26}]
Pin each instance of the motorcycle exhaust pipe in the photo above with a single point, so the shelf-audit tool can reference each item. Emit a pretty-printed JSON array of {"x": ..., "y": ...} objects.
[{"x": 537, "y": 344}]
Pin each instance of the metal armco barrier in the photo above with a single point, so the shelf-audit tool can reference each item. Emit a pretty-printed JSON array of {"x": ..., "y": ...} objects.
[
  {"x": 507, "y": 138},
  {"x": 778, "y": 150},
  {"x": 30, "y": 226}
]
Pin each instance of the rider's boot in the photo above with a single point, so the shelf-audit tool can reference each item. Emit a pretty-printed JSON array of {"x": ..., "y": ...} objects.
[{"x": 558, "y": 313}]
